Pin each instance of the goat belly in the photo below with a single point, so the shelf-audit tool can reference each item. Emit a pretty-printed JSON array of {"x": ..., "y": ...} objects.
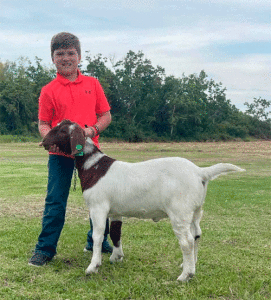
[{"x": 89, "y": 177}]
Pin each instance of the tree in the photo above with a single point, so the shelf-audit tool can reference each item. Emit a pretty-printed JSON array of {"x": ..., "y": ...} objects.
[
  {"x": 139, "y": 88},
  {"x": 145, "y": 103},
  {"x": 185, "y": 99},
  {"x": 259, "y": 108},
  {"x": 19, "y": 90}
]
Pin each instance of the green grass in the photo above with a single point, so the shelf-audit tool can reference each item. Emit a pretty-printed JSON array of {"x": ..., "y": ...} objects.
[
  {"x": 18, "y": 139},
  {"x": 235, "y": 249}
]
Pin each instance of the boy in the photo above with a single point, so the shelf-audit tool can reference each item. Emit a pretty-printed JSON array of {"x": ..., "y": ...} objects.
[{"x": 80, "y": 99}]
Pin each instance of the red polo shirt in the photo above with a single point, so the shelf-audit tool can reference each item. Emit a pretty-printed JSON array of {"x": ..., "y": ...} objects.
[{"x": 78, "y": 101}]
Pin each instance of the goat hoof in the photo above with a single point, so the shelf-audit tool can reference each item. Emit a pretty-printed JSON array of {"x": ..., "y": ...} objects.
[
  {"x": 116, "y": 258},
  {"x": 91, "y": 270},
  {"x": 185, "y": 277},
  {"x": 88, "y": 272}
]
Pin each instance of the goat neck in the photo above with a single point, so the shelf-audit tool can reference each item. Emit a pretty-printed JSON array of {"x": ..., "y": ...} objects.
[{"x": 92, "y": 166}]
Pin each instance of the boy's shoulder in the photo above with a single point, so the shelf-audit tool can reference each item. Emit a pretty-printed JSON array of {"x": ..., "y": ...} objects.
[
  {"x": 88, "y": 78},
  {"x": 50, "y": 85}
]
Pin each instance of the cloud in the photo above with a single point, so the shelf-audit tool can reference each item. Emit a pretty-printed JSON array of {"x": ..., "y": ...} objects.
[
  {"x": 257, "y": 3},
  {"x": 138, "y": 5},
  {"x": 223, "y": 37},
  {"x": 208, "y": 34}
]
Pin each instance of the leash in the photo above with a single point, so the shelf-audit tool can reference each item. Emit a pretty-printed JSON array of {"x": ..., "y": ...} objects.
[
  {"x": 78, "y": 147},
  {"x": 74, "y": 177}
]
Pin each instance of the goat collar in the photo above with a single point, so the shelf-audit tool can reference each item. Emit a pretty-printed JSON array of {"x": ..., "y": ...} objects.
[{"x": 78, "y": 148}]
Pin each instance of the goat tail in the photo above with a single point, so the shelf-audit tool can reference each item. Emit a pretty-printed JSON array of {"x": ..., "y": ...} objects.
[{"x": 214, "y": 171}]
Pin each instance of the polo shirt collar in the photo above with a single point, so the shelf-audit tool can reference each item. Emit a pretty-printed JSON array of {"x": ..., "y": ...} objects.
[{"x": 66, "y": 81}]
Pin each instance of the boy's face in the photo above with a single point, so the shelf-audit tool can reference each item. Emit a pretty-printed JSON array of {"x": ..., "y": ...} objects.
[{"x": 66, "y": 61}]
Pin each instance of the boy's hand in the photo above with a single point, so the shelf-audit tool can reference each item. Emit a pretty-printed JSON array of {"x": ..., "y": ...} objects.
[
  {"x": 53, "y": 148},
  {"x": 89, "y": 132}
]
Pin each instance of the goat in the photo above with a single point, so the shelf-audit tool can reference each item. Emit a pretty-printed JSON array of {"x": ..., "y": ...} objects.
[{"x": 165, "y": 187}]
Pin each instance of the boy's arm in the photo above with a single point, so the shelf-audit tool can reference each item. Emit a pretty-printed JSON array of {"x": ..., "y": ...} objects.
[
  {"x": 103, "y": 122},
  {"x": 44, "y": 128}
]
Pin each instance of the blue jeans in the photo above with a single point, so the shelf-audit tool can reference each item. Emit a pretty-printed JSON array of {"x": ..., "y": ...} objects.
[{"x": 60, "y": 171}]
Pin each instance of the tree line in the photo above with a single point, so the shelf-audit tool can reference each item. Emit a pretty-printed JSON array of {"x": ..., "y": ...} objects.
[{"x": 146, "y": 104}]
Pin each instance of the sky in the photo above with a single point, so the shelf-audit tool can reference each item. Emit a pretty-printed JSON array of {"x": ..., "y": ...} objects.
[{"x": 229, "y": 39}]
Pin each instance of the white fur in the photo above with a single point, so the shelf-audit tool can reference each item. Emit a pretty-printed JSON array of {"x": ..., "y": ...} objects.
[
  {"x": 166, "y": 187},
  {"x": 94, "y": 159}
]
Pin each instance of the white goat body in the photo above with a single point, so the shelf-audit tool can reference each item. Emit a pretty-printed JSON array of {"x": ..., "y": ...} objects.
[
  {"x": 166, "y": 187},
  {"x": 147, "y": 189}
]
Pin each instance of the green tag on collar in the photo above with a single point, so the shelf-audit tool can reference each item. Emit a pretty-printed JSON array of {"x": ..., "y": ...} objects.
[
  {"x": 80, "y": 154},
  {"x": 79, "y": 147}
]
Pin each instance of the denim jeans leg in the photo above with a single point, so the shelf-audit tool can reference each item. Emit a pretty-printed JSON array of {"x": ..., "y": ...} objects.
[
  {"x": 89, "y": 235},
  {"x": 60, "y": 170}
]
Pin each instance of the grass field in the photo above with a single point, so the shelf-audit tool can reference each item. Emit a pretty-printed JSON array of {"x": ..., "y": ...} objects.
[{"x": 235, "y": 249}]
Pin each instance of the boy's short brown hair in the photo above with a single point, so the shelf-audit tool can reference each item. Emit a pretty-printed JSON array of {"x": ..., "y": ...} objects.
[{"x": 65, "y": 40}]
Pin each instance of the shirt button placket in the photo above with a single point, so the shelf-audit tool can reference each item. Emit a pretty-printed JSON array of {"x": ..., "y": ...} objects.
[{"x": 72, "y": 93}]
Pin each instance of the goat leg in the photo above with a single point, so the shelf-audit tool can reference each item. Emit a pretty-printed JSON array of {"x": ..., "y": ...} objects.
[
  {"x": 98, "y": 220},
  {"x": 115, "y": 235}
]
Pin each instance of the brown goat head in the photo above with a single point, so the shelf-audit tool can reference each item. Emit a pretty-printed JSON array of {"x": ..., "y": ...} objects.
[{"x": 69, "y": 137}]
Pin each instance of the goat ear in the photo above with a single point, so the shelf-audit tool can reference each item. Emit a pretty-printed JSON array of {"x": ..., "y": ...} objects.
[{"x": 77, "y": 140}]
